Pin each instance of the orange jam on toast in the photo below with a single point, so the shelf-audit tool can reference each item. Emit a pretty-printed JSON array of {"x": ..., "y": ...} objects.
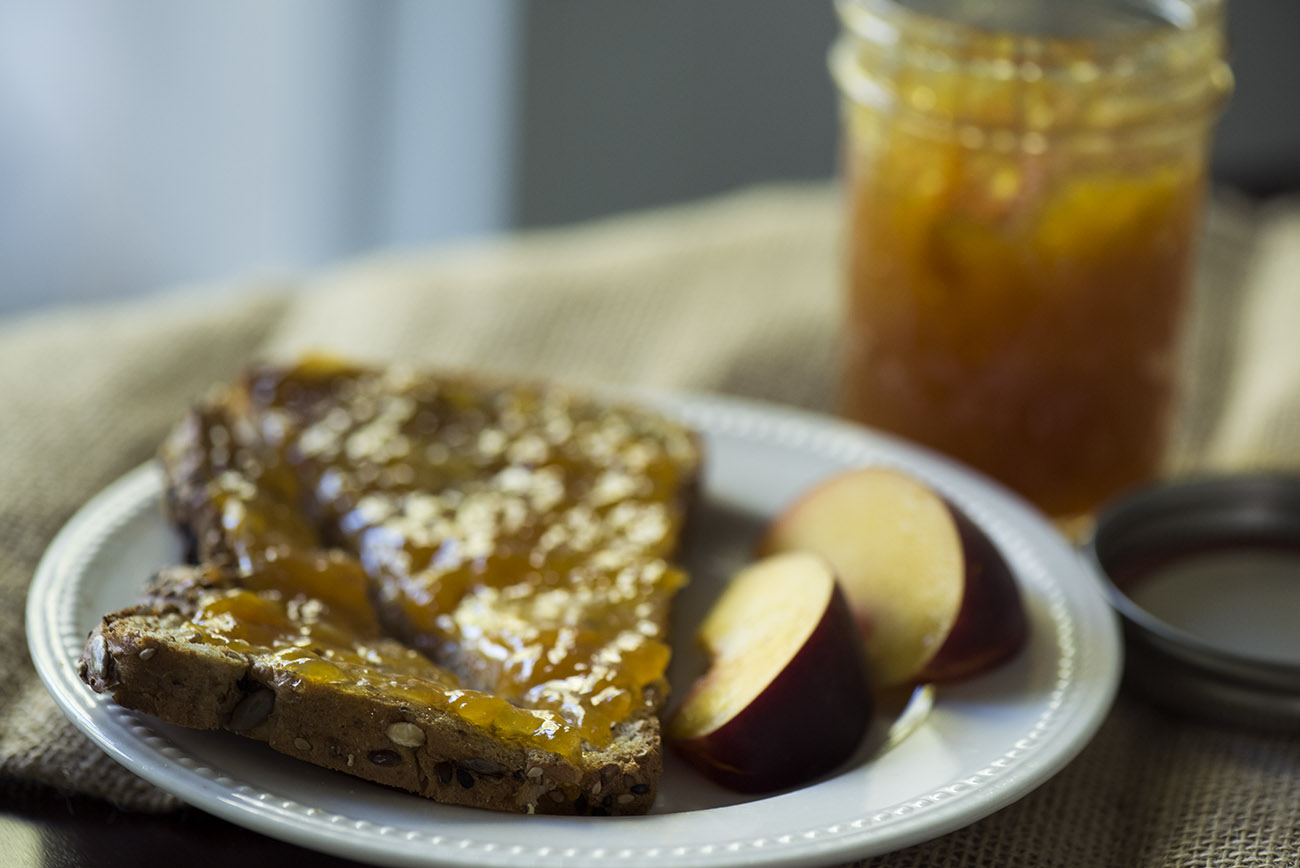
[{"x": 518, "y": 536}]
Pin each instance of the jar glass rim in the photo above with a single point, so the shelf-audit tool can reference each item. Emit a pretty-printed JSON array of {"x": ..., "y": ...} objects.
[
  {"x": 888, "y": 20},
  {"x": 1179, "y": 65}
]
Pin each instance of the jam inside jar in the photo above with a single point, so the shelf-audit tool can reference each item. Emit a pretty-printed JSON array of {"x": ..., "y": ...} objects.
[{"x": 1023, "y": 195}]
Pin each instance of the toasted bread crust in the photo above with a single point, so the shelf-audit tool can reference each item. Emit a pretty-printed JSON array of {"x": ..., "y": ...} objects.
[
  {"x": 144, "y": 657},
  {"x": 150, "y": 657}
]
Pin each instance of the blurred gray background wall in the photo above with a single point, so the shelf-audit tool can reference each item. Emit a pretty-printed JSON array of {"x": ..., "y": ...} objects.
[{"x": 147, "y": 143}]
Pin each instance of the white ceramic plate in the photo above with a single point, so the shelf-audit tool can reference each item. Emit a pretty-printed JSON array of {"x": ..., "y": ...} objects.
[{"x": 984, "y": 743}]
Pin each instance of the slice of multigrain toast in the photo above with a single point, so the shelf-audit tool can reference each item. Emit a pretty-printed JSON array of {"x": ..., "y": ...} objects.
[{"x": 450, "y": 584}]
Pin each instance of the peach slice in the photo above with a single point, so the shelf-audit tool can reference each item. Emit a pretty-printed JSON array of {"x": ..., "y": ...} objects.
[
  {"x": 785, "y": 698},
  {"x": 931, "y": 592}
]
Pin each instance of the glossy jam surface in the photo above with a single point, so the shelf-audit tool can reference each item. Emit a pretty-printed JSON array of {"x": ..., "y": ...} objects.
[
  {"x": 518, "y": 536},
  {"x": 1021, "y": 242},
  {"x": 308, "y": 643}
]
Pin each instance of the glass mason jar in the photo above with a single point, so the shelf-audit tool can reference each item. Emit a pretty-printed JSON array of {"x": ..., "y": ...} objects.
[{"x": 1024, "y": 180}]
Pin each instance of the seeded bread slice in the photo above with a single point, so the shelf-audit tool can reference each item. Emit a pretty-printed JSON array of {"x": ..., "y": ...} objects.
[
  {"x": 290, "y": 487},
  {"x": 151, "y": 657}
]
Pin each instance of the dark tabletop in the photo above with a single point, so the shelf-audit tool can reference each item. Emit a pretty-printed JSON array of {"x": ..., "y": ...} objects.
[{"x": 43, "y": 829}]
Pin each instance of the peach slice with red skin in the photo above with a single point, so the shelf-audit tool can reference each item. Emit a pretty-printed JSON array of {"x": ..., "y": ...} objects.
[
  {"x": 785, "y": 698},
  {"x": 933, "y": 596}
]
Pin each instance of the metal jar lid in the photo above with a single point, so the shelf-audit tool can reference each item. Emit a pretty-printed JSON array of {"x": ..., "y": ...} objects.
[{"x": 1205, "y": 575}]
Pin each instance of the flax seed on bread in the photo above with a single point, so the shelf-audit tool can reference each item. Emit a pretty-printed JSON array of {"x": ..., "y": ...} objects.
[{"x": 448, "y": 584}]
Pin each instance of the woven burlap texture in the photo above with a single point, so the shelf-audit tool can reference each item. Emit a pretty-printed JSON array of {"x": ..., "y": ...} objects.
[{"x": 736, "y": 295}]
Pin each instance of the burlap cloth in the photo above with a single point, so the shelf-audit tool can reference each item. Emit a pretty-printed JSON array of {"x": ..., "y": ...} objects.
[{"x": 736, "y": 295}]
